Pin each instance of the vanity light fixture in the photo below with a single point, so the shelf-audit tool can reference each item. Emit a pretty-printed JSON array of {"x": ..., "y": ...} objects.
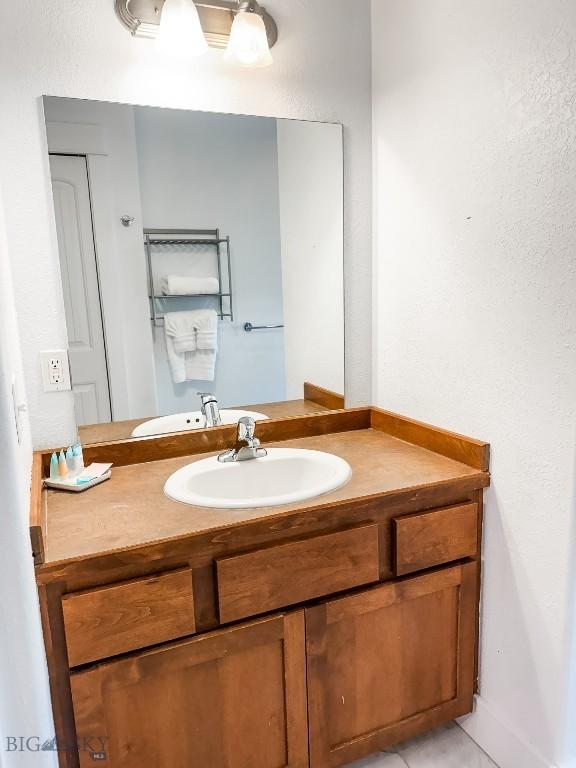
[
  {"x": 243, "y": 27},
  {"x": 180, "y": 32},
  {"x": 248, "y": 45}
]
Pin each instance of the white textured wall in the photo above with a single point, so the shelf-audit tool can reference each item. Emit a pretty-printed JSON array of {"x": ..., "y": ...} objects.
[
  {"x": 475, "y": 311},
  {"x": 66, "y": 48},
  {"x": 311, "y": 211},
  {"x": 24, "y": 696}
]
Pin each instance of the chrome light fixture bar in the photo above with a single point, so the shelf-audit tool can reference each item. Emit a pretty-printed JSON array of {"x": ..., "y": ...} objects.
[{"x": 142, "y": 18}]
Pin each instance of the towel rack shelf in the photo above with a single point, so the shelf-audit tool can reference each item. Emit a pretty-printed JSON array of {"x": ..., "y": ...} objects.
[
  {"x": 190, "y": 295},
  {"x": 160, "y": 238},
  {"x": 187, "y": 242}
]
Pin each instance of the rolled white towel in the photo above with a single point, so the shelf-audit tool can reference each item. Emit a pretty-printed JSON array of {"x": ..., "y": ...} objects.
[{"x": 182, "y": 285}]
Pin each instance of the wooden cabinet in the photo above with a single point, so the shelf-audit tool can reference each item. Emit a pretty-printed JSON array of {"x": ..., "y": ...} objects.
[
  {"x": 380, "y": 646},
  {"x": 306, "y": 636},
  {"x": 389, "y": 662},
  {"x": 235, "y": 698},
  {"x": 318, "y": 687}
]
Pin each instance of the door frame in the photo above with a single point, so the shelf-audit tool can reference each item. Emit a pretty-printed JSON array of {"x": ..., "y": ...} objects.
[
  {"x": 89, "y": 141},
  {"x": 82, "y": 156}
]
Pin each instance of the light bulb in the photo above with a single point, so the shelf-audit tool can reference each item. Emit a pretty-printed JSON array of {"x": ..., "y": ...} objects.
[
  {"x": 248, "y": 44},
  {"x": 180, "y": 32}
]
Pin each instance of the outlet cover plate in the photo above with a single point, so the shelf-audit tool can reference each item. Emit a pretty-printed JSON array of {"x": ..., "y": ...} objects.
[{"x": 55, "y": 370}]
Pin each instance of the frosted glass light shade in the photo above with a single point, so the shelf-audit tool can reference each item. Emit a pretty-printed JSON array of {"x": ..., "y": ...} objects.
[
  {"x": 248, "y": 44},
  {"x": 180, "y": 32}
]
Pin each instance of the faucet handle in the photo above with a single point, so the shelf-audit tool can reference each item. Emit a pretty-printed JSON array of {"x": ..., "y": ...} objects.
[
  {"x": 206, "y": 398},
  {"x": 247, "y": 445}
]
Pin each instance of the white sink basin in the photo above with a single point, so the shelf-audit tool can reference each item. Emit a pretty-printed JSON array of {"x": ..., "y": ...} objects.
[
  {"x": 182, "y": 422},
  {"x": 284, "y": 476}
]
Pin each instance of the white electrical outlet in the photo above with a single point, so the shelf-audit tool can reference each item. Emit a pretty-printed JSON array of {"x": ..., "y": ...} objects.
[{"x": 55, "y": 370}]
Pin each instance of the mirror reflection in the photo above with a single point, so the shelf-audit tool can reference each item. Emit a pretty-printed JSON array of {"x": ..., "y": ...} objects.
[{"x": 201, "y": 258}]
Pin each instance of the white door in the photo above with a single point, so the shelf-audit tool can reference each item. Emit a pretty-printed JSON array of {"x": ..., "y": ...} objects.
[{"x": 81, "y": 289}]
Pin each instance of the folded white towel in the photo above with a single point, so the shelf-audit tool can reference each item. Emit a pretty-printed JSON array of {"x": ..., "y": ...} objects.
[
  {"x": 207, "y": 330},
  {"x": 182, "y": 328},
  {"x": 200, "y": 365},
  {"x": 192, "y": 344},
  {"x": 182, "y": 285}
]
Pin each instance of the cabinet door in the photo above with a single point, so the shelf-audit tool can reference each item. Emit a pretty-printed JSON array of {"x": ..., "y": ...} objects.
[
  {"x": 389, "y": 662},
  {"x": 235, "y": 698}
]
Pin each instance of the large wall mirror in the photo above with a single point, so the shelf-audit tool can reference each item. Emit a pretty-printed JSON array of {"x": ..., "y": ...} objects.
[{"x": 201, "y": 257}]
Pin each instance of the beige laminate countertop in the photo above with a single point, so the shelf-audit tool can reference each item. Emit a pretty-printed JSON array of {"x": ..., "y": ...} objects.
[
  {"x": 131, "y": 510},
  {"x": 122, "y": 430}
]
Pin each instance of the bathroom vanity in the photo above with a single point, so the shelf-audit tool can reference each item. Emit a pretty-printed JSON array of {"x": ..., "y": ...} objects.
[{"x": 310, "y": 634}]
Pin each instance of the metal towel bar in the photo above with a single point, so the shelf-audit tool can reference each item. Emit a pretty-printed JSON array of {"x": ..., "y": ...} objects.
[{"x": 248, "y": 327}]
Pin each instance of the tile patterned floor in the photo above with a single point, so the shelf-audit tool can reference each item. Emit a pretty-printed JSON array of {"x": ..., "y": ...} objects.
[{"x": 448, "y": 747}]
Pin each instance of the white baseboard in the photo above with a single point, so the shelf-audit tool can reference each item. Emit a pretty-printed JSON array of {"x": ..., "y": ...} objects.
[{"x": 506, "y": 747}]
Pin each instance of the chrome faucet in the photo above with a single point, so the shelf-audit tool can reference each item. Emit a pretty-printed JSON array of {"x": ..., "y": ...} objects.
[
  {"x": 210, "y": 409},
  {"x": 247, "y": 445}
]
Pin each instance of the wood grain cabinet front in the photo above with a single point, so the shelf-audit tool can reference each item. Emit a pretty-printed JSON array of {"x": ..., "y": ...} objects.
[
  {"x": 235, "y": 698},
  {"x": 437, "y": 536},
  {"x": 389, "y": 662},
  {"x": 297, "y": 571},
  {"x": 119, "y": 618}
]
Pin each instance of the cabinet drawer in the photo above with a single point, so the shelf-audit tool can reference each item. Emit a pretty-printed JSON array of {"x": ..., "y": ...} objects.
[
  {"x": 122, "y": 617},
  {"x": 437, "y": 536},
  {"x": 291, "y": 573}
]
